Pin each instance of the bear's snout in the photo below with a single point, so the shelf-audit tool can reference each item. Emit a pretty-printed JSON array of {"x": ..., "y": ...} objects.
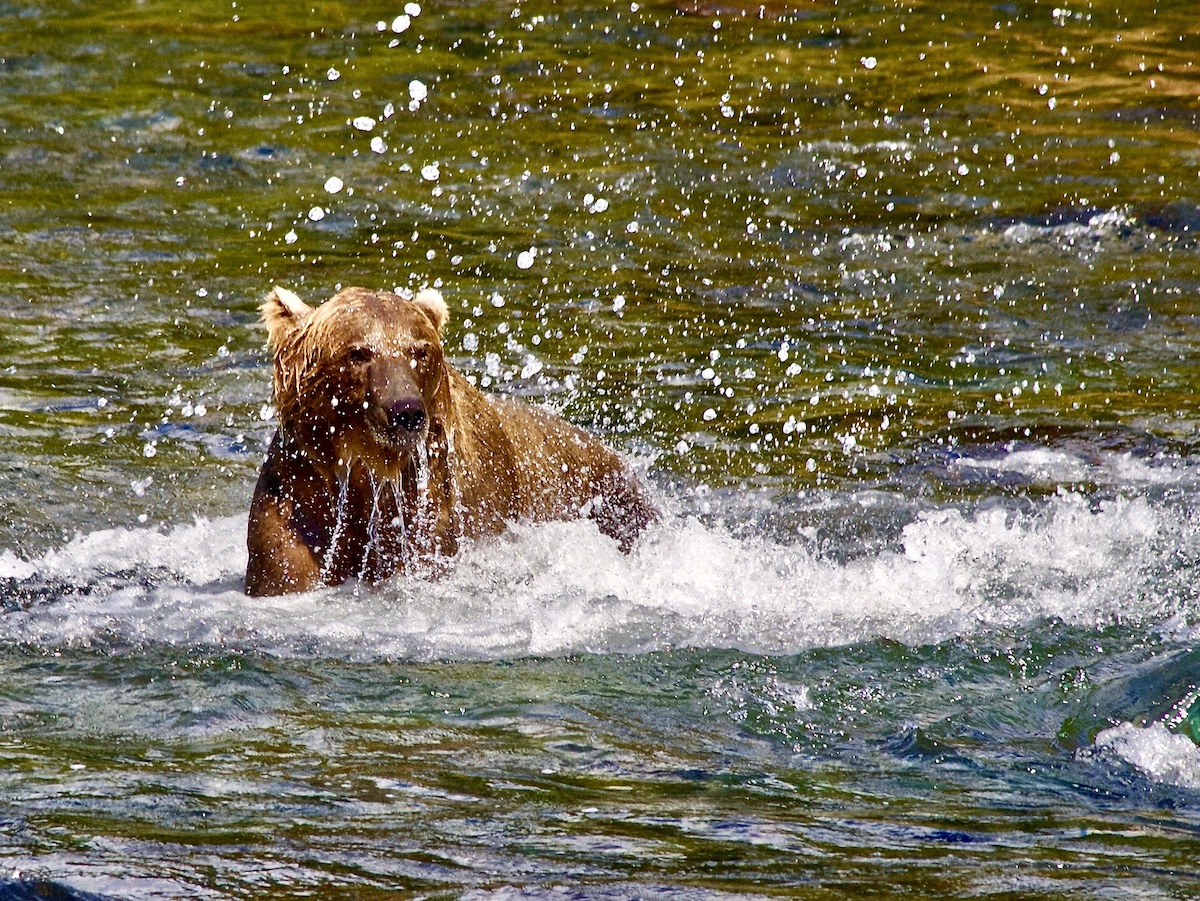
[
  {"x": 395, "y": 403},
  {"x": 406, "y": 415}
]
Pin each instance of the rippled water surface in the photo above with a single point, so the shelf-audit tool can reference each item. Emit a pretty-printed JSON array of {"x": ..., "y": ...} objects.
[{"x": 893, "y": 304}]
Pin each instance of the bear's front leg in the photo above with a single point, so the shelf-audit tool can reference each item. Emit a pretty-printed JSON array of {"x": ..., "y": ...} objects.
[
  {"x": 282, "y": 558},
  {"x": 280, "y": 561}
]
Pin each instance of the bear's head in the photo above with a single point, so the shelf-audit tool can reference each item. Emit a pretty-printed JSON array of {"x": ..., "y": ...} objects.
[{"x": 361, "y": 377}]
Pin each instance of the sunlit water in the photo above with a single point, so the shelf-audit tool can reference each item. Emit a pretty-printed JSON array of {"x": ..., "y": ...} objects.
[{"x": 894, "y": 307}]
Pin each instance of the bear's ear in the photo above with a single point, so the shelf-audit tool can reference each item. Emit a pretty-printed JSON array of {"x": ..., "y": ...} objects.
[
  {"x": 283, "y": 313},
  {"x": 431, "y": 303}
]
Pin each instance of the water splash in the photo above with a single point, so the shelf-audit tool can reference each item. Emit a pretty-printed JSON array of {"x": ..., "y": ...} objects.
[
  {"x": 1162, "y": 755},
  {"x": 339, "y": 526},
  {"x": 563, "y": 588},
  {"x": 385, "y": 532}
]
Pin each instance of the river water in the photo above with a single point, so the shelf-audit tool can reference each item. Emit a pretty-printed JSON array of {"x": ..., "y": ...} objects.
[{"x": 893, "y": 304}]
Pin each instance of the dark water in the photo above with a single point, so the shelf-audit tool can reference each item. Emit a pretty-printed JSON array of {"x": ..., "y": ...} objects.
[{"x": 894, "y": 305}]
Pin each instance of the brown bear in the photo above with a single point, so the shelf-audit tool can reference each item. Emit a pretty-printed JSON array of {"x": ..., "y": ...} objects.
[{"x": 386, "y": 456}]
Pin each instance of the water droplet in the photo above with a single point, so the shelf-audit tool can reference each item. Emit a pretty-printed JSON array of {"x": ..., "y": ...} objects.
[
  {"x": 333, "y": 74},
  {"x": 869, "y": 62},
  {"x": 333, "y": 184},
  {"x": 430, "y": 172},
  {"x": 378, "y": 145},
  {"x": 531, "y": 368},
  {"x": 291, "y": 237},
  {"x": 363, "y": 123},
  {"x": 413, "y": 9},
  {"x": 316, "y": 214},
  {"x": 149, "y": 450},
  {"x": 417, "y": 90},
  {"x": 400, "y": 24},
  {"x": 710, "y": 414},
  {"x": 525, "y": 258}
]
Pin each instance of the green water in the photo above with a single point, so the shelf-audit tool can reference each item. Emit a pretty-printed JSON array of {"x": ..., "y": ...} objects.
[
  {"x": 620, "y": 777},
  {"x": 894, "y": 305}
]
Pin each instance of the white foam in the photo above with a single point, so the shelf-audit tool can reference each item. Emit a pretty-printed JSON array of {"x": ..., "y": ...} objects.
[
  {"x": 201, "y": 552},
  {"x": 565, "y": 588},
  {"x": 1103, "y": 224},
  {"x": 1050, "y": 466},
  {"x": 1039, "y": 464},
  {"x": 1162, "y": 755}
]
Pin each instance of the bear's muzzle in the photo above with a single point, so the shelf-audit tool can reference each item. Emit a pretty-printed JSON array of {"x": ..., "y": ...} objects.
[
  {"x": 406, "y": 415},
  {"x": 396, "y": 411}
]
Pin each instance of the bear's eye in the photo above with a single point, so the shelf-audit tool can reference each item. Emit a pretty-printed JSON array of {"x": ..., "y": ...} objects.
[
  {"x": 420, "y": 352},
  {"x": 358, "y": 356}
]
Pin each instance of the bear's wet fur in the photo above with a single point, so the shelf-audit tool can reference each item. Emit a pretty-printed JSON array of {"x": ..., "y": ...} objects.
[{"x": 386, "y": 456}]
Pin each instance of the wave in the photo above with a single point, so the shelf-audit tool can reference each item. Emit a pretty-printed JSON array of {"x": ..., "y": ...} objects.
[
  {"x": 563, "y": 588},
  {"x": 1053, "y": 466},
  {"x": 1164, "y": 756},
  {"x": 1091, "y": 225}
]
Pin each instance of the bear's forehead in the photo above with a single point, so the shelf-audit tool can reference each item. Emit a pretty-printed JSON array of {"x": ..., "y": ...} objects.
[{"x": 380, "y": 320}]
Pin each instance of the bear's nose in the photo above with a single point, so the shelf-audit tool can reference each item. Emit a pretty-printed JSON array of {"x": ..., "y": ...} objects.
[{"x": 407, "y": 414}]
